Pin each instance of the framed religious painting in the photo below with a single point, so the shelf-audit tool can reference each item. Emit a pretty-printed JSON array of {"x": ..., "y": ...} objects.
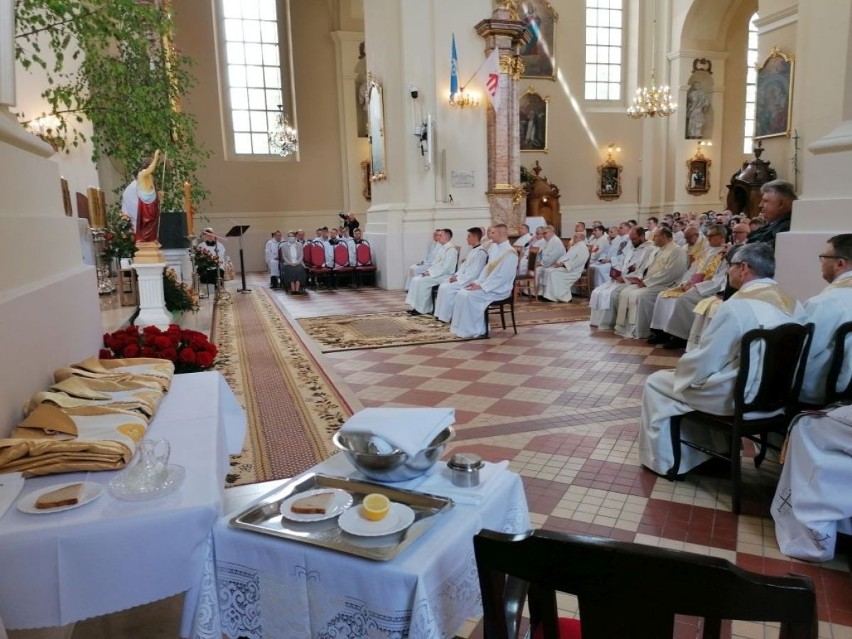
[
  {"x": 538, "y": 54},
  {"x": 532, "y": 114},
  {"x": 609, "y": 180},
  {"x": 377, "y": 130},
  {"x": 698, "y": 174},
  {"x": 774, "y": 96},
  {"x": 366, "y": 184}
]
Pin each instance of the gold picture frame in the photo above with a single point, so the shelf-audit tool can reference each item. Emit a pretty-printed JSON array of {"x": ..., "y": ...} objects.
[
  {"x": 698, "y": 174},
  {"x": 609, "y": 180},
  {"x": 773, "y": 103},
  {"x": 539, "y": 53},
  {"x": 532, "y": 121}
]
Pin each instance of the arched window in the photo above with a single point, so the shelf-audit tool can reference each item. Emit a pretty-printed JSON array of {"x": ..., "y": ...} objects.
[
  {"x": 751, "y": 85},
  {"x": 604, "y": 39},
  {"x": 254, "y": 45}
]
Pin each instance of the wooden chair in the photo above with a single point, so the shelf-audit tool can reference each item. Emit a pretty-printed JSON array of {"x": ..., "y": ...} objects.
[
  {"x": 840, "y": 355},
  {"x": 779, "y": 380},
  {"x": 526, "y": 283},
  {"x": 499, "y": 306},
  {"x": 583, "y": 286},
  {"x": 626, "y": 590}
]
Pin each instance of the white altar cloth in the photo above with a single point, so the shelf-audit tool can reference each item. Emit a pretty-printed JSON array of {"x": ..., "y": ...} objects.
[
  {"x": 268, "y": 587},
  {"x": 111, "y": 555}
]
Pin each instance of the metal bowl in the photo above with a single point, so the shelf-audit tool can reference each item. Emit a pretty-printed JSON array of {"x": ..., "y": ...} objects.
[{"x": 378, "y": 460}]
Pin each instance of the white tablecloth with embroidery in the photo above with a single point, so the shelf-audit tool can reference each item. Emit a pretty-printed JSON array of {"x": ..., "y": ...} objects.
[
  {"x": 110, "y": 555},
  {"x": 267, "y": 588}
]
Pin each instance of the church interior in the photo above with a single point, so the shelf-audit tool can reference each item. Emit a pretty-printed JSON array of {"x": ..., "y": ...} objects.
[{"x": 561, "y": 402}]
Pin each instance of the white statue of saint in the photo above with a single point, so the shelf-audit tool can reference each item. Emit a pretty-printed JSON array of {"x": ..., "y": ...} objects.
[{"x": 697, "y": 104}]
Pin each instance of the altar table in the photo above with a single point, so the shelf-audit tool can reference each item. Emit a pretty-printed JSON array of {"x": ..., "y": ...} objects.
[
  {"x": 267, "y": 587},
  {"x": 110, "y": 555}
]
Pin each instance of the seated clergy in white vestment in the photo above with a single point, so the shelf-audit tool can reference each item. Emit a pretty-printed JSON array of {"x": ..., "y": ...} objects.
[
  {"x": 424, "y": 264},
  {"x": 470, "y": 269},
  {"x": 535, "y": 244},
  {"x": 568, "y": 269},
  {"x": 603, "y": 301},
  {"x": 702, "y": 279},
  {"x": 636, "y": 301},
  {"x": 419, "y": 295},
  {"x": 524, "y": 238},
  {"x": 493, "y": 284},
  {"x": 812, "y": 501},
  {"x": 618, "y": 254},
  {"x": 548, "y": 256},
  {"x": 828, "y": 310},
  {"x": 598, "y": 242},
  {"x": 705, "y": 377}
]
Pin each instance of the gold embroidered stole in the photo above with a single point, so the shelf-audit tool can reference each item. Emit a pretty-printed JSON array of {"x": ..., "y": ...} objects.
[
  {"x": 492, "y": 265},
  {"x": 846, "y": 282},
  {"x": 769, "y": 293}
]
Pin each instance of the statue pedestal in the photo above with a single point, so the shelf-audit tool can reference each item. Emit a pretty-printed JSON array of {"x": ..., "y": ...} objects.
[
  {"x": 152, "y": 304},
  {"x": 149, "y": 253}
]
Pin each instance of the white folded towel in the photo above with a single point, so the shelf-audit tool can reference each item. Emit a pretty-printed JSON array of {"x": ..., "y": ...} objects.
[
  {"x": 439, "y": 482},
  {"x": 409, "y": 429},
  {"x": 11, "y": 485}
]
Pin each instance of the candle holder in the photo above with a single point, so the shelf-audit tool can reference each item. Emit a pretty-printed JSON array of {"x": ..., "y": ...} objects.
[{"x": 103, "y": 268}]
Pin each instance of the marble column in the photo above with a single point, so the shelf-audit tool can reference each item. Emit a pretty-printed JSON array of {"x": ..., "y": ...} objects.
[{"x": 505, "y": 194}]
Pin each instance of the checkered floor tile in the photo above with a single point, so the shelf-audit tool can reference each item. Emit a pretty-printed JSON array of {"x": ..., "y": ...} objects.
[{"x": 562, "y": 403}]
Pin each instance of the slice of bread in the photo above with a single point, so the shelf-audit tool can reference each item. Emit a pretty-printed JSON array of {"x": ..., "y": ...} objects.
[
  {"x": 317, "y": 504},
  {"x": 66, "y": 496}
]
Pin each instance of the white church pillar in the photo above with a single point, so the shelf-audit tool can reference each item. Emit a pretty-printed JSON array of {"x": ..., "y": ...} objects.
[{"x": 822, "y": 116}]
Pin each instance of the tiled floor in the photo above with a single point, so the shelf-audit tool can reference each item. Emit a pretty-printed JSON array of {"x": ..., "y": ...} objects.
[{"x": 562, "y": 403}]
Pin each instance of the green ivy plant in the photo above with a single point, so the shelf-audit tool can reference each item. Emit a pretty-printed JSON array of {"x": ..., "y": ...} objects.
[{"x": 112, "y": 62}]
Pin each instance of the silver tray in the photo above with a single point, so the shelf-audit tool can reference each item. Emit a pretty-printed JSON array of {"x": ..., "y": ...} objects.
[{"x": 265, "y": 517}]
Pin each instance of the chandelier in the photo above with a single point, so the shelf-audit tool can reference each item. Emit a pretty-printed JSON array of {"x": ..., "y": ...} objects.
[
  {"x": 652, "y": 101},
  {"x": 462, "y": 99},
  {"x": 283, "y": 138}
]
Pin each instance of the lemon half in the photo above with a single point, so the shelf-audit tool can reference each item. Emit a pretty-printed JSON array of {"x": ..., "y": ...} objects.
[{"x": 375, "y": 506}]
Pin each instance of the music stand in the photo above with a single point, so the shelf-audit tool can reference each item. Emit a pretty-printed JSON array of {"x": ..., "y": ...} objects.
[{"x": 238, "y": 232}]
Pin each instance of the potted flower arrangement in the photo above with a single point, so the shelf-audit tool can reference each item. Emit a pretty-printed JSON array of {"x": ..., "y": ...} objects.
[
  {"x": 179, "y": 297},
  {"x": 190, "y": 350},
  {"x": 119, "y": 240},
  {"x": 203, "y": 260}
]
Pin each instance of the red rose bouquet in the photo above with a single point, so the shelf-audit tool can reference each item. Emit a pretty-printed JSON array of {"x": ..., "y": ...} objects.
[{"x": 190, "y": 351}]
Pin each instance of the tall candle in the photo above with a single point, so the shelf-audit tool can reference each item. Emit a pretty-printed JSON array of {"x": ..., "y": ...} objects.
[{"x": 187, "y": 206}]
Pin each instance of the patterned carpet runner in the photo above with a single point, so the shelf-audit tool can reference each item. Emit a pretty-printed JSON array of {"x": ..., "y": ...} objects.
[
  {"x": 293, "y": 408},
  {"x": 398, "y": 328}
]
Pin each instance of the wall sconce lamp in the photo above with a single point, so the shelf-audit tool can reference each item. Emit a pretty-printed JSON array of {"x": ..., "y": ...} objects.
[
  {"x": 462, "y": 99},
  {"x": 47, "y": 128},
  {"x": 612, "y": 149}
]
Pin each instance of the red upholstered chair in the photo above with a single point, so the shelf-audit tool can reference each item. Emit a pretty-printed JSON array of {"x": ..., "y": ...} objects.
[
  {"x": 626, "y": 590},
  {"x": 315, "y": 263},
  {"x": 342, "y": 267},
  {"x": 364, "y": 266}
]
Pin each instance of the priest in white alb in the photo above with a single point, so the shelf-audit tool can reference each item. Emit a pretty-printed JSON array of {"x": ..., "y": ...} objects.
[
  {"x": 419, "y": 295},
  {"x": 673, "y": 310},
  {"x": 618, "y": 254},
  {"x": 568, "y": 269},
  {"x": 424, "y": 264},
  {"x": 828, "y": 310},
  {"x": 470, "y": 269},
  {"x": 636, "y": 302},
  {"x": 705, "y": 377},
  {"x": 603, "y": 301},
  {"x": 494, "y": 283},
  {"x": 553, "y": 249}
]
